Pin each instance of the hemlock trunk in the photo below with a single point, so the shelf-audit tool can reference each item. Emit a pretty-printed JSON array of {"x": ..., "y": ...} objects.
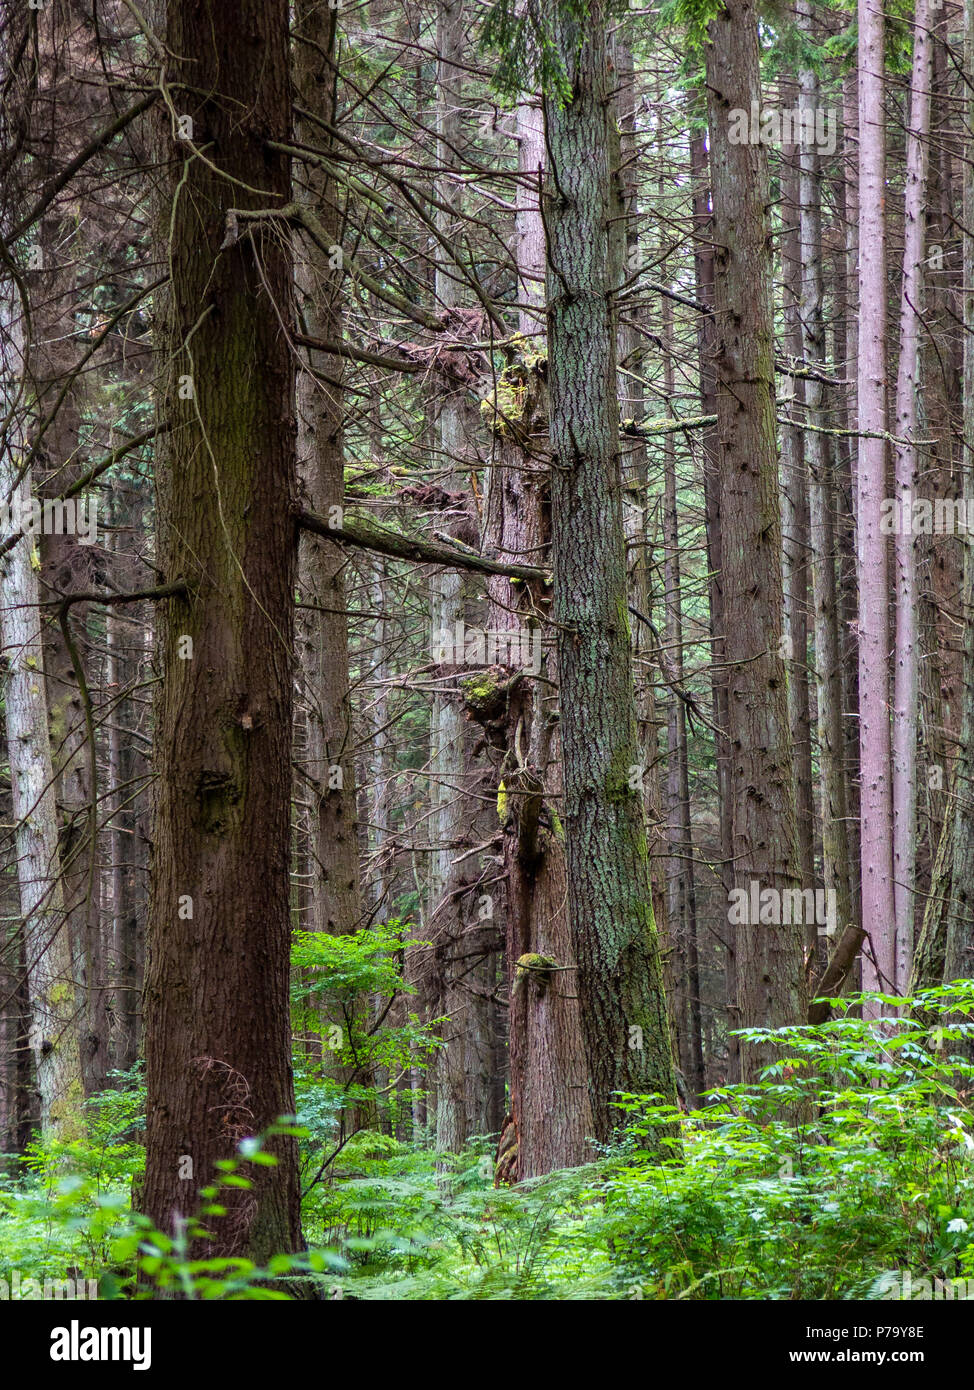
[{"x": 620, "y": 987}]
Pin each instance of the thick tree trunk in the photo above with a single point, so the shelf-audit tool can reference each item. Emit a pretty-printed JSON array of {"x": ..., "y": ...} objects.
[
  {"x": 218, "y": 1038},
  {"x": 550, "y": 1117},
  {"x": 609, "y": 893},
  {"x": 770, "y": 957}
]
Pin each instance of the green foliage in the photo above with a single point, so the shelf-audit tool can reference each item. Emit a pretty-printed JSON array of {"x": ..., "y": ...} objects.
[
  {"x": 850, "y": 1160},
  {"x": 60, "y": 1210},
  {"x": 531, "y": 43},
  {"x": 691, "y": 16},
  {"x": 167, "y": 1265},
  {"x": 342, "y": 994},
  {"x": 81, "y": 1222}
]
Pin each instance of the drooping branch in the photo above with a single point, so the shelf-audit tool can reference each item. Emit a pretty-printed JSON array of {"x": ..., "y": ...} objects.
[
  {"x": 835, "y": 973},
  {"x": 177, "y": 589},
  {"x": 414, "y": 548},
  {"x": 297, "y": 215},
  {"x": 53, "y": 187},
  {"x": 89, "y": 476},
  {"x": 97, "y": 469}
]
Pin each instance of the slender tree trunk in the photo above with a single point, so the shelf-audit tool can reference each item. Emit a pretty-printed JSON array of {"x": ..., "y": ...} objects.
[
  {"x": 878, "y": 916},
  {"x": 466, "y": 920},
  {"x": 681, "y": 885},
  {"x": 818, "y": 457},
  {"x": 53, "y": 1034},
  {"x": 335, "y": 892},
  {"x": 334, "y": 896},
  {"x": 794, "y": 530},
  {"x": 62, "y": 126},
  {"x": 945, "y": 950},
  {"x": 846, "y": 480},
  {"x": 631, "y": 336},
  {"x": 907, "y": 651},
  {"x": 704, "y": 276}
]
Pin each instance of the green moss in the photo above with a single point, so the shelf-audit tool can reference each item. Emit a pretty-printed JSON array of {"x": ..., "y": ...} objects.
[
  {"x": 505, "y": 407},
  {"x": 484, "y": 697},
  {"x": 66, "y": 1112},
  {"x": 536, "y": 967},
  {"x": 57, "y": 723},
  {"x": 478, "y": 687}
]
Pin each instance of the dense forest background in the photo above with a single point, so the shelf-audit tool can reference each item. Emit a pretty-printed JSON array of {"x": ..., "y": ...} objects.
[{"x": 487, "y": 622}]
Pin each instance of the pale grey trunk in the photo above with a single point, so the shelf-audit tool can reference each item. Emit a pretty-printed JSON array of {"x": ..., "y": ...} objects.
[
  {"x": 906, "y": 648},
  {"x": 878, "y": 915},
  {"x": 53, "y": 1024},
  {"x": 794, "y": 528}
]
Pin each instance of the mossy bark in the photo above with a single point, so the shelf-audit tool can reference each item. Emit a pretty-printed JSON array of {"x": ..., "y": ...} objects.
[
  {"x": 52, "y": 1031},
  {"x": 620, "y": 987},
  {"x": 549, "y": 1103}
]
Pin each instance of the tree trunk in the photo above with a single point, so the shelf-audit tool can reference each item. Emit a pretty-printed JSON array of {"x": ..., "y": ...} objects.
[
  {"x": 945, "y": 950},
  {"x": 218, "y": 1038},
  {"x": 549, "y": 1117},
  {"x": 906, "y": 646},
  {"x": 794, "y": 529},
  {"x": 770, "y": 957},
  {"x": 466, "y": 921},
  {"x": 878, "y": 917},
  {"x": 680, "y": 881},
  {"x": 53, "y": 1033},
  {"x": 704, "y": 276},
  {"x": 818, "y": 457},
  {"x": 335, "y": 892},
  {"x": 609, "y": 893}
]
